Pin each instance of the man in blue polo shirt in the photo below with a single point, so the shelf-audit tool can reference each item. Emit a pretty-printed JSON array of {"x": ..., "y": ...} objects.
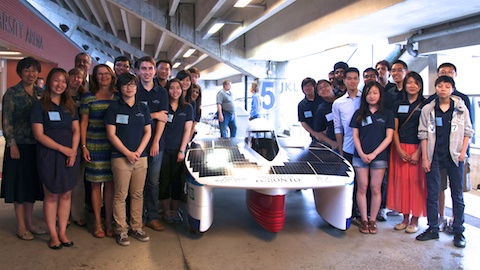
[
  {"x": 308, "y": 106},
  {"x": 323, "y": 118},
  {"x": 156, "y": 98},
  {"x": 394, "y": 94}
]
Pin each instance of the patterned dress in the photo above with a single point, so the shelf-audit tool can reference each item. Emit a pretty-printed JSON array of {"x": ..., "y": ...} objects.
[
  {"x": 20, "y": 181},
  {"x": 99, "y": 169}
]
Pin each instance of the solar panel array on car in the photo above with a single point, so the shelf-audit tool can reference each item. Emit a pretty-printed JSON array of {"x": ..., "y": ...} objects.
[{"x": 314, "y": 161}]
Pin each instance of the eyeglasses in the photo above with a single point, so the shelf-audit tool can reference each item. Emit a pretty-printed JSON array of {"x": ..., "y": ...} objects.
[
  {"x": 447, "y": 73},
  {"x": 130, "y": 85},
  {"x": 372, "y": 76}
]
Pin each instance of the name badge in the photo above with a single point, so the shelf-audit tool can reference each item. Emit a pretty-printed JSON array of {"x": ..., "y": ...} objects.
[
  {"x": 329, "y": 117},
  {"x": 54, "y": 116},
  {"x": 403, "y": 109},
  {"x": 307, "y": 114},
  {"x": 439, "y": 121},
  {"x": 367, "y": 121},
  {"x": 170, "y": 118},
  {"x": 145, "y": 102},
  {"x": 122, "y": 119}
]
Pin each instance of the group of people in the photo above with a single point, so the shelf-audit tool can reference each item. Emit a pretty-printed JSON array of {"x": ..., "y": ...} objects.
[
  {"x": 402, "y": 146},
  {"x": 112, "y": 140},
  {"x": 118, "y": 140}
]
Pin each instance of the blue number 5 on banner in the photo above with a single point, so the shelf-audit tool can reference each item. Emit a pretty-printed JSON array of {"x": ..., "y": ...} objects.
[{"x": 267, "y": 91}]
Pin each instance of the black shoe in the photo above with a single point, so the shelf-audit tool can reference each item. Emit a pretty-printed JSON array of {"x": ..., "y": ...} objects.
[
  {"x": 67, "y": 244},
  {"x": 57, "y": 247},
  {"x": 429, "y": 234},
  {"x": 459, "y": 240}
]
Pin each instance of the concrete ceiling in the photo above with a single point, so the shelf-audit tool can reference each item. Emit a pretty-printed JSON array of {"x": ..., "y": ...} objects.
[{"x": 265, "y": 31}]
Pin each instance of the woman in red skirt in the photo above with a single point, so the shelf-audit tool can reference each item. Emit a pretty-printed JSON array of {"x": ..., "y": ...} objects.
[{"x": 406, "y": 179}]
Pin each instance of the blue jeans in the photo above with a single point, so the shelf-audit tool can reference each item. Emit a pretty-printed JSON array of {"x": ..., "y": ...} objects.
[
  {"x": 228, "y": 120},
  {"x": 455, "y": 174},
  {"x": 150, "y": 194}
]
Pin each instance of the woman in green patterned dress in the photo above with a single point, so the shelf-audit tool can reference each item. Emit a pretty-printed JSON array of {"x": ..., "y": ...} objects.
[{"x": 96, "y": 147}]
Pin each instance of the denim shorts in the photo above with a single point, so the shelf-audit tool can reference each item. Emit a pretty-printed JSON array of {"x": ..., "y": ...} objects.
[{"x": 376, "y": 164}]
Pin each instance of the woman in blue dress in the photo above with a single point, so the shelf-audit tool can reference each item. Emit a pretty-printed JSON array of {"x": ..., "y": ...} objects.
[{"x": 55, "y": 126}]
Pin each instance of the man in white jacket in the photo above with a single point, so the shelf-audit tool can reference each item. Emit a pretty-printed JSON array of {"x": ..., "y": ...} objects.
[{"x": 444, "y": 131}]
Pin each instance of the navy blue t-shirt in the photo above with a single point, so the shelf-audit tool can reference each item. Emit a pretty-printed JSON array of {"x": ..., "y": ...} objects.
[
  {"x": 55, "y": 119},
  {"x": 157, "y": 100},
  {"x": 196, "y": 117},
  {"x": 372, "y": 131},
  {"x": 392, "y": 96},
  {"x": 409, "y": 131},
  {"x": 129, "y": 123},
  {"x": 467, "y": 103},
  {"x": 175, "y": 126},
  {"x": 388, "y": 86},
  {"x": 443, "y": 123},
  {"x": 307, "y": 109},
  {"x": 323, "y": 120}
]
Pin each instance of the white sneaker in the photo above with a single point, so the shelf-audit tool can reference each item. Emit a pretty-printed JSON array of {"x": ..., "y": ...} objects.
[
  {"x": 140, "y": 235},
  {"x": 442, "y": 224},
  {"x": 393, "y": 213},
  {"x": 122, "y": 239},
  {"x": 449, "y": 228},
  {"x": 382, "y": 215}
]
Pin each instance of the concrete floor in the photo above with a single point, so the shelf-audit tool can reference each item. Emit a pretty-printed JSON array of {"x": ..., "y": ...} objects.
[{"x": 235, "y": 241}]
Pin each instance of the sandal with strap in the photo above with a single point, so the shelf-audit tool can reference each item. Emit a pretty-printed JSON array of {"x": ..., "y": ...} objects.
[
  {"x": 364, "y": 227},
  {"x": 372, "y": 227},
  {"x": 98, "y": 231},
  {"x": 109, "y": 232}
]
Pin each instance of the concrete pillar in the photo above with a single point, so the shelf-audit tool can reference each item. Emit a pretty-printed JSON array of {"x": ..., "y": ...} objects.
[{"x": 432, "y": 72}]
